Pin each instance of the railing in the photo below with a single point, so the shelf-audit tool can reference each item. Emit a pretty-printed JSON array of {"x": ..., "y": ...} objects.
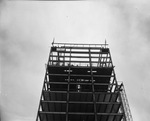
[
  {"x": 125, "y": 103},
  {"x": 80, "y": 45}
]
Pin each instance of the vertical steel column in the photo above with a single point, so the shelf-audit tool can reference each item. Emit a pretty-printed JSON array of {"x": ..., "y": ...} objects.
[
  {"x": 99, "y": 59},
  {"x": 93, "y": 91},
  {"x": 68, "y": 91}
]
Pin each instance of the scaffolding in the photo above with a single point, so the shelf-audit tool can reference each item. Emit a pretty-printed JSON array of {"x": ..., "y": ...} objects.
[{"x": 80, "y": 85}]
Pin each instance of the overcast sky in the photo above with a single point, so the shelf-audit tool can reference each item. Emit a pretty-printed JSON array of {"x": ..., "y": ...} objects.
[{"x": 28, "y": 28}]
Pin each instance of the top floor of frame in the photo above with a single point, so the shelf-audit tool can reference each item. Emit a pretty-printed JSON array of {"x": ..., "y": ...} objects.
[{"x": 97, "y": 55}]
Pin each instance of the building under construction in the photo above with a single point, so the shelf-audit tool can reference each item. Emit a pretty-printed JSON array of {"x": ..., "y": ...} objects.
[{"x": 80, "y": 85}]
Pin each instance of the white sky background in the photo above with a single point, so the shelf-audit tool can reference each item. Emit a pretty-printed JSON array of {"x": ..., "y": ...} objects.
[{"x": 26, "y": 33}]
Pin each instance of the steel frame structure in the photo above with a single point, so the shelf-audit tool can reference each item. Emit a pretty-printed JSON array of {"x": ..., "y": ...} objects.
[{"x": 80, "y": 85}]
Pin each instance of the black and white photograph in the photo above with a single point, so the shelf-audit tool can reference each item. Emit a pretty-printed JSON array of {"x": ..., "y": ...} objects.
[{"x": 79, "y": 60}]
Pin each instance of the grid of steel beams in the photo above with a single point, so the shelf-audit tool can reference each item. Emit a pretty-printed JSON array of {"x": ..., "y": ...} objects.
[{"x": 80, "y": 85}]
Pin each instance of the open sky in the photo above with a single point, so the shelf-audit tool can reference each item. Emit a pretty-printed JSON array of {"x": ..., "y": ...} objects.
[{"x": 27, "y": 29}]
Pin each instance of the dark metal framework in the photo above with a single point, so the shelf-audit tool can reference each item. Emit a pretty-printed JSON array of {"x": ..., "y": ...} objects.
[{"x": 80, "y": 85}]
